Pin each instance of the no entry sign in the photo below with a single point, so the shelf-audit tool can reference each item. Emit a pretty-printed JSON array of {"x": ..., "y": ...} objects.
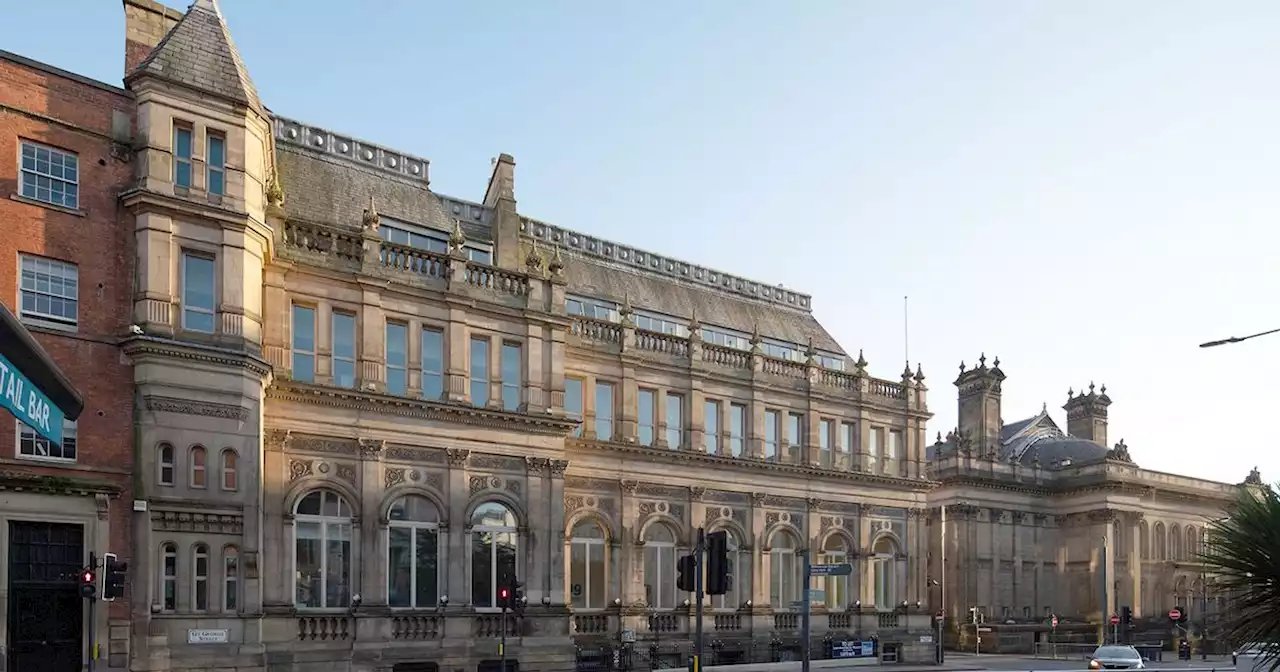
[
  {"x": 1115, "y": 620},
  {"x": 1175, "y": 614}
]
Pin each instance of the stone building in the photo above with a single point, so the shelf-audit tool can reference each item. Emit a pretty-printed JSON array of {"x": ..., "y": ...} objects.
[
  {"x": 67, "y": 276},
  {"x": 365, "y": 406},
  {"x": 1030, "y": 508}
]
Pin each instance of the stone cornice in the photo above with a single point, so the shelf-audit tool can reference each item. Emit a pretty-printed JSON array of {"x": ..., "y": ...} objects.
[
  {"x": 1052, "y": 487},
  {"x": 188, "y": 407},
  {"x": 55, "y": 485},
  {"x": 336, "y": 397},
  {"x": 141, "y": 347},
  {"x": 665, "y": 456},
  {"x": 140, "y": 199}
]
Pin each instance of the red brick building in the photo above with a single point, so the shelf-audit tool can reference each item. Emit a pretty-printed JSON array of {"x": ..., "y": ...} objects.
[{"x": 66, "y": 270}]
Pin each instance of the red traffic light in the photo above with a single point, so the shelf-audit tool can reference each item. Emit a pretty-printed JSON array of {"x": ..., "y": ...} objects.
[
  {"x": 87, "y": 577},
  {"x": 502, "y": 592}
]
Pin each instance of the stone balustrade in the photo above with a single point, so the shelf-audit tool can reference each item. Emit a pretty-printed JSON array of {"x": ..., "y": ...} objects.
[
  {"x": 435, "y": 626},
  {"x": 618, "y": 337}
]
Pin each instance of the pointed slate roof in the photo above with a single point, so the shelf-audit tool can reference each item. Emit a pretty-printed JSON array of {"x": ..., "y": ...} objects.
[{"x": 199, "y": 53}]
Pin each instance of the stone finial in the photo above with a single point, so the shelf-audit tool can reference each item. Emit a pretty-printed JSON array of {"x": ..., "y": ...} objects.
[
  {"x": 755, "y": 337},
  {"x": 996, "y": 364},
  {"x": 1071, "y": 393},
  {"x": 625, "y": 312},
  {"x": 457, "y": 238},
  {"x": 533, "y": 260},
  {"x": 275, "y": 194},
  {"x": 1091, "y": 388},
  {"x": 919, "y": 373},
  {"x": 938, "y": 440},
  {"x": 695, "y": 327},
  {"x": 906, "y": 371},
  {"x": 810, "y": 352},
  {"x": 982, "y": 361},
  {"x": 556, "y": 266},
  {"x": 371, "y": 218},
  {"x": 861, "y": 364},
  {"x": 962, "y": 366},
  {"x": 1044, "y": 407}
]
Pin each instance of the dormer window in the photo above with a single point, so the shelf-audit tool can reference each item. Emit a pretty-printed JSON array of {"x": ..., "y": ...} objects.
[{"x": 403, "y": 233}]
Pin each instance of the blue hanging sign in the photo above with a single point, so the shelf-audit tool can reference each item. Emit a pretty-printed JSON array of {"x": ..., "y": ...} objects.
[{"x": 28, "y": 403}]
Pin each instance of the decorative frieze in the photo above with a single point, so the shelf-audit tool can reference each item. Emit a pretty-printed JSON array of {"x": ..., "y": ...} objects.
[
  {"x": 458, "y": 456},
  {"x": 558, "y": 467},
  {"x": 322, "y": 445},
  {"x": 726, "y": 497},
  {"x": 780, "y": 502},
  {"x": 370, "y": 449},
  {"x": 496, "y": 463},
  {"x": 188, "y": 521},
  {"x": 299, "y": 469},
  {"x": 396, "y": 453},
  {"x": 590, "y": 484},
  {"x": 668, "y": 491},
  {"x": 204, "y": 408},
  {"x": 347, "y": 473},
  {"x": 719, "y": 513},
  {"x": 479, "y": 484}
]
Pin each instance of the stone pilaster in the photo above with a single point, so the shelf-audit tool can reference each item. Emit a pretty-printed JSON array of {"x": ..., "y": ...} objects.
[
  {"x": 556, "y": 552},
  {"x": 1133, "y": 528},
  {"x": 458, "y": 344},
  {"x": 759, "y": 555},
  {"x": 542, "y": 532},
  {"x": 371, "y": 339},
  {"x": 457, "y": 572},
  {"x": 632, "y": 568},
  {"x": 372, "y": 581},
  {"x": 625, "y": 426},
  {"x": 535, "y": 378}
]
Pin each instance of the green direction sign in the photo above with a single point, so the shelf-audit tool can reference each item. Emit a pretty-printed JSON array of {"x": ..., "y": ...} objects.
[
  {"x": 843, "y": 569},
  {"x": 28, "y": 403}
]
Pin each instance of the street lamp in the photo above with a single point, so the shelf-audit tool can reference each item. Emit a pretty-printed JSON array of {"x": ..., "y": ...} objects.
[{"x": 1236, "y": 339}]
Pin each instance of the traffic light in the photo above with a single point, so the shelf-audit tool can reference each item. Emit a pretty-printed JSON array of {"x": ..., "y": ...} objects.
[
  {"x": 1126, "y": 616},
  {"x": 113, "y": 576},
  {"x": 504, "y": 598},
  {"x": 518, "y": 599},
  {"x": 89, "y": 579},
  {"x": 687, "y": 573},
  {"x": 718, "y": 563}
]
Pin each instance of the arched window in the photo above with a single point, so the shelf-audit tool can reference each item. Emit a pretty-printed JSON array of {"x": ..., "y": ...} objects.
[
  {"x": 169, "y": 576},
  {"x": 230, "y": 478},
  {"x": 587, "y": 579},
  {"x": 164, "y": 464},
  {"x": 322, "y": 551},
  {"x": 1193, "y": 543},
  {"x": 1175, "y": 542},
  {"x": 413, "y": 568},
  {"x": 493, "y": 552},
  {"x": 1159, "y": 543},
  {"x": 784, "y": 570},
  {"x": 739, "y": 577},
  {"x": 200, "y": 578},
  {"x": 230, "y": 579},
  {"x": 660, "y": 588},
  {"x": 197, "y": 467},
  {"x": 884, "y": 563},
  {"x": 835, "y": 588},
  {"x": 1144, "y": 537}
]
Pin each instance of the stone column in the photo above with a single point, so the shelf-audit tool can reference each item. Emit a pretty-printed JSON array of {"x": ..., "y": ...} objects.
[
  {"x": 277, "y": 321},
  {"x": 696, "y": 413},
  {"x": 756, "y": 424},
  {"x": 866, "y": 591},
  {"x": 277, "y": 532},
  {"x": 556, "y": 367}
]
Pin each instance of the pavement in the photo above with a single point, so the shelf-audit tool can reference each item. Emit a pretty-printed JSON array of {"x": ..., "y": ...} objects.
[{"x": 968, "y": 662}]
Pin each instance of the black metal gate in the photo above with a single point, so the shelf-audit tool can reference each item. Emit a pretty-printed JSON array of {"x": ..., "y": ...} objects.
[{"x": 46, "y": 612}]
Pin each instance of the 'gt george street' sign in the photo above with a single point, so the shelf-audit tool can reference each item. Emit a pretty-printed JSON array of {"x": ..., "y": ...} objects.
[{"x": 28, "y": 403}]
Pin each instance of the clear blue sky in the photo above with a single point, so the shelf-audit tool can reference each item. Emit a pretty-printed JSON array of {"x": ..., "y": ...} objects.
[{"x": 1086, "y": 188}]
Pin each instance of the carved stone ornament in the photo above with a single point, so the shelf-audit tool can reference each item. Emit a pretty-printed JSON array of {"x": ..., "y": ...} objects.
[
  {"x": 628, "y": 487},
  {"x": 537, "y": 466},
  {"x": 697, "y": 493},
  {"x": 458, "y": 456},
  {"x": 204, "y": 408},
  {"x": 347, "y": 473},
  {"x": 394, "y": 476},
  {"x": 370, "y": 449},
  {"x": 573, "y": 503},
  {"x": 103, "y": 503},
  {"x": 558, "y": 468},
  {"x": 371, "y": 219},
  {"x": 299, "y": 469}
]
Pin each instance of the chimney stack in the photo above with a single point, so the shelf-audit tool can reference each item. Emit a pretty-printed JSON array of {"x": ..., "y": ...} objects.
[
  {"x": 146, "y": 22},
  {"x": 1087, "y": 415}
]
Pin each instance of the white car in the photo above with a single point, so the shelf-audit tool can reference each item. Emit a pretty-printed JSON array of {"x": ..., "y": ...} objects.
[{"x": 1116, "y": 657}]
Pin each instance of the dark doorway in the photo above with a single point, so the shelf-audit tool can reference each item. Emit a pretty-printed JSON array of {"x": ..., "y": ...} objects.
[
  {"x": 46, "y": 612},
  {"x": 416, "y": 667}
]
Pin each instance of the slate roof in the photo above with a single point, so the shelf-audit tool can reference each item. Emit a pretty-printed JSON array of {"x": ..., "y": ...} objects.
[
  {"x": 1035, "y": 438},
  {"x": 199, "y": 53},
  {"x": 325, "y": 190},
  {"x": 596, "y": 277}
]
